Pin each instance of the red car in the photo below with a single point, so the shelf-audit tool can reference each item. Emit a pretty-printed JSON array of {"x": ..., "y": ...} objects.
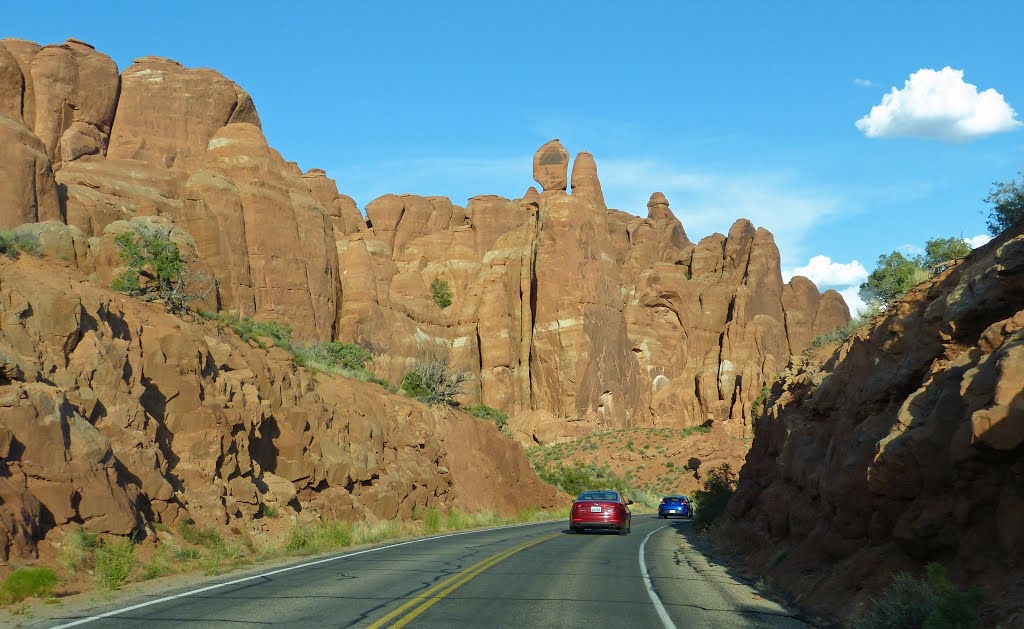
[{"x": 602, "y": 509}]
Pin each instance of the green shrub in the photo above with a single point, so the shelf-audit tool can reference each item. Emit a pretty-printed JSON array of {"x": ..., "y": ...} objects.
[
  {"x": 115, "y": 558},
  {"x": 432, "y": 520},
  {"x": 486, "y": 412},
  {"x": 27, "y": 582},
  {"x": 76, "y": 549},
  {"x": 162, "y": 562},
  {"x": 929, "y": 603},
  {"x": 14, "y": 242},
  {"x": 442, "y": 293},
  {"x": 759, "y": 401},
  {"x": 320, "y": 536},
  {"x": 572, "y": 479},
  {"x": 156, "y": 270},
  {"x": 434, "y": 381},
  {"x": 713, "y": 498},
  {"x": 205, "y": 537}
]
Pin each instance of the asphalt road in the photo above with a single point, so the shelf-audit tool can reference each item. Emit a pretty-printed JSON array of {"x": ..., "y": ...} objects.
[{"x": 529, "y": 576}]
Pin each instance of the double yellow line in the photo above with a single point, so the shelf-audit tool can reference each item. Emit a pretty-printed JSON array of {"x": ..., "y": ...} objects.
[{"x": 435, "y": 593}]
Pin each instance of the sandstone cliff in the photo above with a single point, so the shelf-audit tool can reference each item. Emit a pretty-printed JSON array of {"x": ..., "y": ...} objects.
[
  {"x": 570, "y": 315},
  {"x": 115, "y": 414},
  {"x": 906, "y": 446}
]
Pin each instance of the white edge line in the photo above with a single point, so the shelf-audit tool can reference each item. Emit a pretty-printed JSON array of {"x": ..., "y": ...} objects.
[
  {"x": 666, "y": 621},
  {"x": 264, "y": 575}
]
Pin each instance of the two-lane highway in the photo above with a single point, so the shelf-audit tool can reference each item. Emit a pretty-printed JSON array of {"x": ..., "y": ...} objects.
[{"x": 538, "y": 575}]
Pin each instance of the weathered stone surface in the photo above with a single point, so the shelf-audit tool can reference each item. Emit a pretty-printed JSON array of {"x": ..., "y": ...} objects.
[
  {"x": 76, "y": 90},
  {"x": 551, "y": 166},
  {"x": 239, "y": 426},
  {"x": 27, "y": 189},
  {"x": 23, "y": 52},
  {"x": 12, "y": 85},
  {"x": 99, "y": 192},
  {"x": 918, "y": 421},
  {"x": 345, "y": 215},
  {"x": 167, "y": 114},
  {"x": 270, "y": 245},
  {"x": 584, "y": 179}
]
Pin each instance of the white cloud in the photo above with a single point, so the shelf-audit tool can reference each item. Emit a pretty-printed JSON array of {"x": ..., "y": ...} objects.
[
  {"x": 828, "y": 274},
  {"x": 852, "y": 297},
  {"x": 977, "y": 241},
  {"x": 863, "y": 83},
  {"x": 938, "y": 104}
]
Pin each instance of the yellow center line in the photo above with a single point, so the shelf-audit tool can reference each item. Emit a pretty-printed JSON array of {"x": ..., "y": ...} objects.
[{"x": 440, "y": 590}]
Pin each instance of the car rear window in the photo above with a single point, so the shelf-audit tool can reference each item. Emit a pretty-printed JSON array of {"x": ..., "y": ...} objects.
[
  {"x": 599, "y": 495},
  {"x": 674, "y": 498}
]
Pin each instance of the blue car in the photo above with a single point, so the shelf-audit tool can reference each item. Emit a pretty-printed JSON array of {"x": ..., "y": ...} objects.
[{"x": 675, "y": 505}]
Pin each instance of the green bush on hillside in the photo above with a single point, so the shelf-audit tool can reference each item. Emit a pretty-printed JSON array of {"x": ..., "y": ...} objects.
[
  {"x": 156, "y": 270},
  {"x": 433, "y": 380},
  {"x": 27, "y": 582},
  {"x": 486, "y": 412},
  {"x": 115, "y": 559},
  {"x": 441, "y": 292},
  {"x": 13, "y": 242},
  {"x": 572, "y": 479},
  {"x": 932, "y": 602}
]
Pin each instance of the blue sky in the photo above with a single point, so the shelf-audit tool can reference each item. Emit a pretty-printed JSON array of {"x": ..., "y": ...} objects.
[{"x": 732, "y": 109}]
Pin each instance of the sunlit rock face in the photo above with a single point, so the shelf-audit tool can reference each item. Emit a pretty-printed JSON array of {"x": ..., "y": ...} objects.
[{"x": 591, "y": 315}]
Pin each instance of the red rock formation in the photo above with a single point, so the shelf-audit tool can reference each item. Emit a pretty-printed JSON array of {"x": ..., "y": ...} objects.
[
  {"x": 551, "y": 166},
  {"x": 114, "y": 413},
  {"x": 904, "y": 447}
]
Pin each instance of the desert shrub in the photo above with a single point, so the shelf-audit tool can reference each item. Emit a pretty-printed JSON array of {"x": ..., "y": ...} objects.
[
  {"x": 15, "y": 242},
  {"x": 319, "y": 536},
  {"x": 713, "y": 498},
  {"x": 432, "y": 520},
  {"x": 76, "y": 549},
  {"x": 932, "y": 602},
  {"x": 162, "y": 562},
  {"x": 206, "y": 537},
  {"x": 758, "y": 404},
  {"x": 115, "y": 558},
  {"x": 27, "y": 582},
  {"x": 486, "y": 412},
  {"x": 346, "y": 359},
  {"x": 434, "y": 381},
  {"x": 156, "y": 270},
  {"x": 252, "y": 330},
  {"x": 441, "y": 292},
  {"x": 572, "y": 479}
]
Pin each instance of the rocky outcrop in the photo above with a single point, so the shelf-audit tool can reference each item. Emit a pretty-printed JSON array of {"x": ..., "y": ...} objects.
[
  {"x": 551, "y": 167},
  {"x": 903, "y": 447},
  {"x": 114, "y": 414},
  {"x": 184, "y": 145}
]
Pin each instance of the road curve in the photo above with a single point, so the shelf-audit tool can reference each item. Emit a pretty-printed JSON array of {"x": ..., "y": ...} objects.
[{"x": 527, "y": 576}]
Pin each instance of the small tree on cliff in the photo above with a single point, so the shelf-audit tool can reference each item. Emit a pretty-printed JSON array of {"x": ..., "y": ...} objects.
[
  {"x": 156, "y": 270},
  {"x": 1007, "y": 199}
]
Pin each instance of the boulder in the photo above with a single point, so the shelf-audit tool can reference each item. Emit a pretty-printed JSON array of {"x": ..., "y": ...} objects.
[{"x": 551, "y": 166}]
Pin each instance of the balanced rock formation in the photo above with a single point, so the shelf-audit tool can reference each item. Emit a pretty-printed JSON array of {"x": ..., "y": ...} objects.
[
  {"x": 551, "y": 166},
  {"x": 904, "y": 447}
]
